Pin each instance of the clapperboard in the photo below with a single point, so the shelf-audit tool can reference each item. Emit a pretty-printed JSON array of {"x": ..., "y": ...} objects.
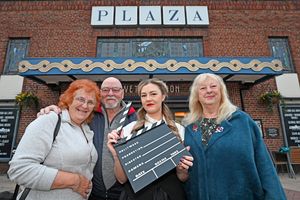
[
  {"x": 124, "y": 115},
  {"x": 149, "y": 154}
]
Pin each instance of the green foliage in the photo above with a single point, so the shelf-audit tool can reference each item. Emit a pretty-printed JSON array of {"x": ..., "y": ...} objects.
[
  {"x": 270, "y": 99},
  {"x": 27, "y": 99}
]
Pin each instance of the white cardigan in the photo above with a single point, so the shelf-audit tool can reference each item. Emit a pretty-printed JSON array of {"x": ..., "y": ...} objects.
[{"x": 70, "y": 152}]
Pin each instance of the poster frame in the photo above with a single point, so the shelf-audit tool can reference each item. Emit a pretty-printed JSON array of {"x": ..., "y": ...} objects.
[{"x": 13, "y": 142}]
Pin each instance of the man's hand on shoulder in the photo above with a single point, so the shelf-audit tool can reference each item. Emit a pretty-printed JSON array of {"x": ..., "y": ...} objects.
[{"x": 47, "y": 109}]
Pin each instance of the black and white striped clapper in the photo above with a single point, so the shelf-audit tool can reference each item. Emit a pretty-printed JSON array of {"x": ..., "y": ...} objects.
[
  {"x": 124, "y": 115},
  {"x": 133, "y": 135},
  {"x": 149, "y": 154}
]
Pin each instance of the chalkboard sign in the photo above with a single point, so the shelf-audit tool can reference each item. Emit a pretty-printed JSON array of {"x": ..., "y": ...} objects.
[
  {"x": 291, "y": 120},
  {"x": 150, "y": 155},
  {"x": 8, "y": 126}
]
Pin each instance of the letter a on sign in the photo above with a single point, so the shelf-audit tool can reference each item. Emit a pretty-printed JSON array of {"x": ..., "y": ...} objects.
[
  {"x": 150, "y": 15},
  {"x": 197, "y": 15}
]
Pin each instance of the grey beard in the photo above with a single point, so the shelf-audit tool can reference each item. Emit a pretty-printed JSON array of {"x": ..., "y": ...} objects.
[{"x": 111, "y": 106}]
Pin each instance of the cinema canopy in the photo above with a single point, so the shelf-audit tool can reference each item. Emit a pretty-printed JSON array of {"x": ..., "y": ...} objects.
[{"x": 58, "y": 70}]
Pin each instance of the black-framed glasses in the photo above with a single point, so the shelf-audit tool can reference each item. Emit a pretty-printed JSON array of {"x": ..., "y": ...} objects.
[{"x": 113, "y": 89}]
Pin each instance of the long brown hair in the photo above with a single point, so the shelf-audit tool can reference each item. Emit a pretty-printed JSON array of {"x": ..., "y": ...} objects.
[
  {"x": 166, "y": 112},
  {"x": 66, "y": 99}
]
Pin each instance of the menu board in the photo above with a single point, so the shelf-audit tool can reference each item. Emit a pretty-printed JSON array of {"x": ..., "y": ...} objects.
[
  {"x": 291, "y": 121},
  {"x": 8, "y": 126},
  {"x": 150, "y": 155}
]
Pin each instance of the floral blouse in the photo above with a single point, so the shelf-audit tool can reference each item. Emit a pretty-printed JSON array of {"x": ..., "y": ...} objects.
[{"x": 208, "y": 127}]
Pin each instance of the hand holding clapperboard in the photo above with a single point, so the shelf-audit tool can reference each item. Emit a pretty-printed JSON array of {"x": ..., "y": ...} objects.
[{"x": 149, "y": 153}]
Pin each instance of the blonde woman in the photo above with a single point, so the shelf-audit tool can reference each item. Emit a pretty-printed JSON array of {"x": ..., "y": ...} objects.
[{"x": 230, "y": 158}]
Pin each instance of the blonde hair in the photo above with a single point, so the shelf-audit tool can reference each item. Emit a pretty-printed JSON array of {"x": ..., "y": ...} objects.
[
  {"x": 166, "y": 112},
  {"x": 196, "y": 110}
]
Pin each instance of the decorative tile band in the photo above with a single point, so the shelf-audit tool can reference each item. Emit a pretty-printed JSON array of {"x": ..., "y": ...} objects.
[{"x": 149, "y": 65}]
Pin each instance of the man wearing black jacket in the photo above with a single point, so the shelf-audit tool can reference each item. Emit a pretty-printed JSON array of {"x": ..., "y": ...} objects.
[{"x": 106, "y": 119}]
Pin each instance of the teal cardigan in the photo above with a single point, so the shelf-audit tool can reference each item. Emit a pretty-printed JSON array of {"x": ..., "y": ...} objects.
[{"x": 235, "y": 164}]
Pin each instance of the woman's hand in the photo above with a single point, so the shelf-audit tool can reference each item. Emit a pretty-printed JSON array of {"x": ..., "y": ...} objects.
[
  {"x": 82, "y": 186},
  {"x": 47, "y": 110},
  {"x": 112, "y": 138},
  {"x": 78, "y": 183},
  {"x": 182, "y": 168},
  {"x": 185, "y": 163}
]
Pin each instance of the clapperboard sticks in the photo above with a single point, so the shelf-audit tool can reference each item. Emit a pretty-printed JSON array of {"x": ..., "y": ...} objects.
[
  {"x": 133, "y": 135},
  {"x": 124, "y": 115}
]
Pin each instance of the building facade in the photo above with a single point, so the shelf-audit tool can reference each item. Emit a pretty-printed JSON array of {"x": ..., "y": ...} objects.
[{"x": 253, "y": 45}]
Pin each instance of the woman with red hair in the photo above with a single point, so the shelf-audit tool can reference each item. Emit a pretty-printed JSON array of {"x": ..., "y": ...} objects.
[{"x": 63, "y": 168}]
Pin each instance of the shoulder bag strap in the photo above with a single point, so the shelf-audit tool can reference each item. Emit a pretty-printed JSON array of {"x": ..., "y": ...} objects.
[{"x": 57, "y": 127}]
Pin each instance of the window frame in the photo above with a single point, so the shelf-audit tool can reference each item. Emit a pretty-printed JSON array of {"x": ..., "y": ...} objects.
[
  {"x": 132, "y": 41},
  {"x": 284, "y": 41},
  {"x": 8, "y": 62}
]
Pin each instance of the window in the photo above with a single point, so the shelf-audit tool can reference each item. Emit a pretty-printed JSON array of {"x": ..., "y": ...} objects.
[
  {"x": 281, "y": 50},
  {"x": 17, "y": 51},
  {"x": 179, "y": 115},
  {"x": 150, "y": 47}
]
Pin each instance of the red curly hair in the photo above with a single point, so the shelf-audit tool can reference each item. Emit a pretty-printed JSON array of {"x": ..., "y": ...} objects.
[{"x": 66, "y": 99}]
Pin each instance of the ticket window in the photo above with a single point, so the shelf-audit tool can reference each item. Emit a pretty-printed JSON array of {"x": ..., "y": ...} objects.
[{"x": 179, "y": 116}]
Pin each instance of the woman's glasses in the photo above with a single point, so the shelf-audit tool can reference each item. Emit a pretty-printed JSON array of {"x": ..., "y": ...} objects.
[{"x": 82, "y": 100}]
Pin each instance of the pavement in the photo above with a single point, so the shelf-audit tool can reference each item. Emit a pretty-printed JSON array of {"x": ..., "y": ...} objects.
[{"x": 290, "y": 185}]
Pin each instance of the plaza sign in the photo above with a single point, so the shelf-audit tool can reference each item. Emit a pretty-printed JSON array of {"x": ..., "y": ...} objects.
[{"x": 149, "y": 15}]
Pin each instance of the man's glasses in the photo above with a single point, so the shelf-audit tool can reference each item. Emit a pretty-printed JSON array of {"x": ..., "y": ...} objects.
[
  {"x": 82, "y": 100},
  {"x": 113, "y": 89}
]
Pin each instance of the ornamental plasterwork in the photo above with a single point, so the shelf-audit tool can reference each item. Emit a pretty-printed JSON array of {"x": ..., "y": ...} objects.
[{"x": 150, "y": 65}]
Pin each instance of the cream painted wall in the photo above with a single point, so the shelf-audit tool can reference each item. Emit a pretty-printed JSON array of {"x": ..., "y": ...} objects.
[
  {"x": 10, "y": 86},
  {"x": 288, "y": 85}
]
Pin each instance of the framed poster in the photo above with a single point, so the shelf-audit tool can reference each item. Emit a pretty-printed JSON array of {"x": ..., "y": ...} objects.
[
  {"x": 8, "y": 129},
  {"x": 290, "y": 117}
]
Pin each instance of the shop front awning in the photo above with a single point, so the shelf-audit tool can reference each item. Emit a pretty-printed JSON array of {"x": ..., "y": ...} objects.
[{"x": 58, "y": 70}]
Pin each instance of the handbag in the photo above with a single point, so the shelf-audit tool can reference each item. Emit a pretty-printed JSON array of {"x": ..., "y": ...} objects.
[{"x": 27, "y": 190}]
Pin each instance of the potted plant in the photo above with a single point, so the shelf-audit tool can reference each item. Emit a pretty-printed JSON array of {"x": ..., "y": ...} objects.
[
  {"x": 27, "y": 99},
  {"x": 271, "y": 98}
]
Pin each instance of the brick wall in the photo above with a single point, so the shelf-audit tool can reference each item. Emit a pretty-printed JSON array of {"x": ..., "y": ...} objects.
[
  {"x": 46, "y": 97},
  {"x": 257, "y": 110}
]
